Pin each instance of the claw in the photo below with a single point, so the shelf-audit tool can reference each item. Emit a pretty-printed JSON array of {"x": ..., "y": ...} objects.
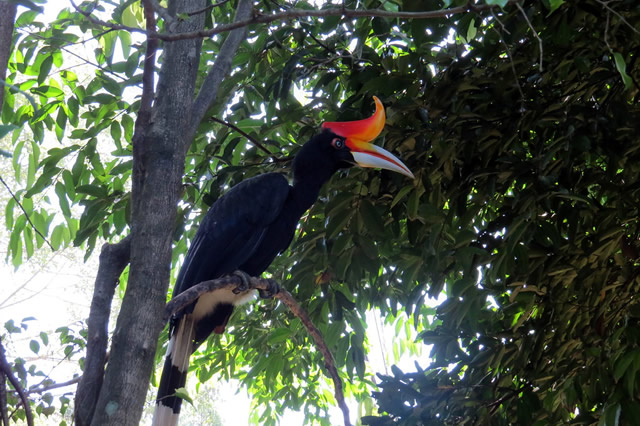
[
  {"x": 272, "y": 290},
  {"x": 245, "y": 282}
]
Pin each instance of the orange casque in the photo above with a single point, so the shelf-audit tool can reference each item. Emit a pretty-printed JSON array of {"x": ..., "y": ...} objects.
[{"x": 359, "y": 133}]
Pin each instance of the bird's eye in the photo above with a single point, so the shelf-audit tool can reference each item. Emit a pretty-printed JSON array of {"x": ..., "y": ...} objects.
[{"x": 337, "y": 143}]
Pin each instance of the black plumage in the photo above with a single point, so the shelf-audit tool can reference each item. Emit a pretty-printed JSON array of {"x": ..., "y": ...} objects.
[{"x": 245, "y": 230}]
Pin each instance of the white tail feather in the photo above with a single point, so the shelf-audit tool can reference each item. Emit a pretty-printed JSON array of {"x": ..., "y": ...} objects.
[{"x": 179, "y": 349}]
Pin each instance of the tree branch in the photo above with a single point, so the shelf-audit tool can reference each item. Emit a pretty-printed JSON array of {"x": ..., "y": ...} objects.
[
  {"x": 250, "y": 138},
  {"x": 190, "y": 295},
  {"x": 4, "y": 412},
  {"x": 286, "y": 298},
  {"x": 624, "y": 21},
  {"x": 208, "y": 8},
  {"x": 6, "y": 369},
  {"x": 295, "y": 14},
  {"x": 209, "y": 90},
  {"x": 30, "y": 98},
  {"x": 40, "y": 388},
  {"x": 7, "y": 23},
  {"x": 113, "y": 259},
  {"x": 148, "y": 72},
  {"x": 535, "y": 33},
  {"x": 164, "y": 13}
]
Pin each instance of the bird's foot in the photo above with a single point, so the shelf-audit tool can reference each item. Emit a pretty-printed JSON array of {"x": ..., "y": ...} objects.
[
  {"x": 244, "y": 284},
  {"x": 270, "y": 291}
]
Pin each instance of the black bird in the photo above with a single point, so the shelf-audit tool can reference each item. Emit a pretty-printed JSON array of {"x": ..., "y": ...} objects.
[{"x": 247, "y": 228}]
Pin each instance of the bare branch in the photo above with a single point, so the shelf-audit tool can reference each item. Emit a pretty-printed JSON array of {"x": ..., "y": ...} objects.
[
  {"x": 250, "y": 138},
  {"x": 208, "y": 8},
  {"x": 30, "y": 98},
  {"x": 535, "y": 33},
  {"x": 26, "y": 215},
  {"x": 164, "y": 13},
  {"x": 113, "y": 259},
  {"x": 286, "y": 298},
  {"x": 148, "y": 72},
  {"x": 513, "y": 67},
  {"x": 6, "y": 369},
  {"x": 184, "y": 299},
  {"x": 606, "y": 6},
  {"x": 190, "y": 295},
  {"x": 42, "y": 388},
  {"x": 209, "y": 90},
  {"x": 325, "y": 13},
  {"x": 295, "y": 14}
]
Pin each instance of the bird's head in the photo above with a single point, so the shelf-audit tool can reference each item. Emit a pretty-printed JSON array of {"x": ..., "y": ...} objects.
[{"x": 346, "y": 144}]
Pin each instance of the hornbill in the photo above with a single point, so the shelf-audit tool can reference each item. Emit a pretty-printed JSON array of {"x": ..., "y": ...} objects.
[{"x": 245, "y": 229}]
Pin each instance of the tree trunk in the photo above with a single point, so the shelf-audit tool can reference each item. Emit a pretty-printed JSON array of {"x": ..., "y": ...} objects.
[
  {"x": 7, "y": 20},
  {"x": 159, "y": 157}
]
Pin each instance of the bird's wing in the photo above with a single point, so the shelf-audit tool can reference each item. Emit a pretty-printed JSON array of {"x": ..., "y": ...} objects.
[{"x": 232, "y": 229}]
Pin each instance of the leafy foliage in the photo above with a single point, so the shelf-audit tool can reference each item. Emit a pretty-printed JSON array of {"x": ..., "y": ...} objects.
[{"x": 520, "y": 124}]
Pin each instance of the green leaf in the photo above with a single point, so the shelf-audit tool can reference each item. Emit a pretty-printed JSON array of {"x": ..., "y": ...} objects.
[
  {"x": 622, "y": 69},
  {"x": 34, "y": 346},
  {"x": 62, "y": 197},
  {"x": 554, "y": 4},
  {"x": 93, "y": 190},
  {"x": 279, "y": 335},
  {"x": 612, "y": 415},
  {"x": 6, "y": 128},
  {"x": 30, "y": 5},
  {"x": 57, "y": 236},
  {"x": 125, "y": 42},
  {"x": 127, "y": 124},
  {"x": 184, "y": 394},
  {"x": 623, "y": 364},
  {"x": 371, "y": 218},
  {"x": 45, "y": 67}
]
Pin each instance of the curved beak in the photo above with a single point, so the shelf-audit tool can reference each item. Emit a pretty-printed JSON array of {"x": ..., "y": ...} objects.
[{"x": 360, "y": 133}]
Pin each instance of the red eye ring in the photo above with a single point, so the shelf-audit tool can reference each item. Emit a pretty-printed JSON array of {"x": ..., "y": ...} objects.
[{"x": 337, "y": 143}]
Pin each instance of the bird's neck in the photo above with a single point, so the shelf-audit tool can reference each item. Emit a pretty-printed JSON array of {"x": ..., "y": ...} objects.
[{"x": 306, "y": 191}]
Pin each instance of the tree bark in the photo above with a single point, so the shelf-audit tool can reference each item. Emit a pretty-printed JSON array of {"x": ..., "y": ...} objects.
[
  {"x": 157, "y": 174},
  {"x": 159, "y": 150},
  {"x": 7, "y": 22},
  {"x": 113, "y": 259}
]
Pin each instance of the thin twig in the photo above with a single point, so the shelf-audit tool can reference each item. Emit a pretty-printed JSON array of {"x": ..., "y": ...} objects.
[
  {"x": 26, "y": 214},
  {"x": 208, "y": 8},
  {"x": 188, "y": 296},
  {"x": 6, "y": 369},
  {"x": 606, "y": 32},
  {"x": 294, "y": 14},
  {"x": 164, "y": 13},
  {"x": 321, "y": 44},
  {"x": 30, "y": 98},
  {"x": 42, "y": 389},
  {"x": 93, "y": 64},
  {"x": 535, "y": 33},
  {"x": 606, "y": 6},
  {"x": 251, "y": 139},
  {"x": 513, "y": 67}
]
